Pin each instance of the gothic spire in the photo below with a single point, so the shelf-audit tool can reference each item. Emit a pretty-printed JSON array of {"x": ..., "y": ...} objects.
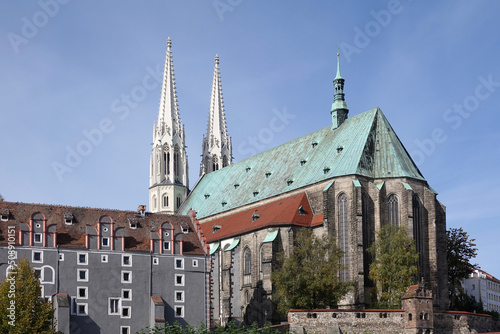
[
  {"x": 168, "y": 115},
  {"x": 217, "y": 150},
  {"x": 339, "y": 109}
]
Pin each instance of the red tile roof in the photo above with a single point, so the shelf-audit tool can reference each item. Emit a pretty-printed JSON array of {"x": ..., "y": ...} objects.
[
  {"x": 73, "y": 236},
  {"x": 278, "y": 213}
]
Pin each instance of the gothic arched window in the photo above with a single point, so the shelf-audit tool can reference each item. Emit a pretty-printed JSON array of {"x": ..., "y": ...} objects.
[
  {"x": 215, "y": 163},
  {"x": 393, "y": 210},
  {"x": 224, "y": 161},
  {"x": 165, "y": 200},
  {"x": 247, "y": 266},
  {"x": 368, "y": 228},
  {"x": 343, "y": 236},
  {"x": 417, "y": 231}
]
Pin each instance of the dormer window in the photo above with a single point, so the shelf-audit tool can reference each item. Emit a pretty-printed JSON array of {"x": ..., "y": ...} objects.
[
  {"x": 302, "y": 211},
  {"x": 255, "y": 216},
  {"x": 184, "y": 227},
  {"x": 224, "y": 203},
  {"x": 4, "y": 215},
  {"x": 339, "y": 149},
  {"x": 314, "y": 144},
  {"x": 68, "y": 218},
  {"x": 268, "y": 174},
  {"x": 207, "y": 196},
  {"x": 133, "y": 223},
  {"x": 303, "y": 162},
  {"x": 215, "y": 228},
  {"x": 289, "y": 182},
  {"x": 248, "y": 169},
  {"x": 326, "y": 170},
  {"x": 255, "y": 193},
  {"x": 236, "y": 185}
]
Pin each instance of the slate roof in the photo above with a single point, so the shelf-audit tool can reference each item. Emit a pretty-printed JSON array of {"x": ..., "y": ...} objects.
[
  {"x": 73, "y": 236},
  {"x": 363, "y": 145},
  {"x": 278, "y": 213}
]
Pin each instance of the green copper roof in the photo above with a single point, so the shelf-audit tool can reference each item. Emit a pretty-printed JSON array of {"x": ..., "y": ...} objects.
[
  {"x": 271, "y": 235},
  {"x": 363, "y": 145}
]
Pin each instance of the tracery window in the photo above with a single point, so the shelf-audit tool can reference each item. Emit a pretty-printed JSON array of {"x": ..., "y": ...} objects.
[
  {"x": 343, "y": 236},
  {"x": 393, "y": 210},
  {"x": 247, "y": 266},
  {"x": 417, "y": 232}
]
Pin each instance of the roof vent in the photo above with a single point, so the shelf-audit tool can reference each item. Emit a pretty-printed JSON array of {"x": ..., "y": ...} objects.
[
  {"x": 314, "y": 144},
  {"x": 268, "y": 174},
  {"x": 255, "y": 216},
  {"x": 215, "y": 228},
  {"x": 236, "y": 185},
  {"x": 326, "y": 170},
  {"x": 248, "y": 169},
  {"x": 133, "y": 223},
  {"x": 302, "y": 211},
  {"x": 303, "y": 162},
  {"x": 339, "y": 149},
  {"x": 207, "y": 196},
  {"x": 224, "y": 203},
  {"x": 289, "y": 182},
  {"x": 184, "y": 227},
  {"x": 255, "y": 193}
]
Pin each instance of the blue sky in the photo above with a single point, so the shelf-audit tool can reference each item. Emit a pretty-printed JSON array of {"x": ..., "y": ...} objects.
[{"x": 432, "y": 67}]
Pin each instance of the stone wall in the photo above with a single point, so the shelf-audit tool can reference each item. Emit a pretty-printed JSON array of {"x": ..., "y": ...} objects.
[{"x": 336, "y": 321}]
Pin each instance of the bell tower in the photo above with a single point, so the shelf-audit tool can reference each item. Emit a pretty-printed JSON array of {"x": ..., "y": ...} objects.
[{"x": 168, "y": 179}]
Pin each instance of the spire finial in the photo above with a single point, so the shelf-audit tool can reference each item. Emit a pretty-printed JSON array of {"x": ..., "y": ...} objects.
[
  {"x": 169, "y": 44},
  {"x": 217, "y": 60},
  {"x": 338, "y": 67}
]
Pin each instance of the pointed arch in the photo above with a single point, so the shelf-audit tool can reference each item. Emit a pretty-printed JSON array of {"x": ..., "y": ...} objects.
[
  {"x": 418, "y": 232},
  {"x": 393, "y": 210},
  {"x": 247, "y": 266},
  {"x": 343, "y": 235}
]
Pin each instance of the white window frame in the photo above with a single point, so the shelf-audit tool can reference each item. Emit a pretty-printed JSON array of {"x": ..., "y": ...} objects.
[
  {"x": 129, "y": 308},
  {"x": 78, "y": 292},
  {"x": 107, "y": 241},
  {"x": 129, "y": 262},
  {"x": 33, "y": 257},
  {"x": 156, "y": 261},
  {"x": 42, "y": 291},
  {"x": 182, "y": 263},
  {"x": 40, "y": 277},
  {"x": 119, "y": 306},
  {"x": 84, "y": 314},
  {"x": 78, "y": 279},
  {"x": 127, "y": 328},
  {"x": 182, "y": 278},
  {"x": 86, "y": 255},
  {"x": 4, "y": 218},
  {"x": 123, "y": 276},
  {"x": 182, "y": 311},
  {"x": 104, "y": 258},
  {"x": 39, "y": 235},
  {"x": 61, "y": 256},
  {"x": 175, "y": 296},
  {"x": 129, "y": 294},
  {"x": 195, "y": 263}
]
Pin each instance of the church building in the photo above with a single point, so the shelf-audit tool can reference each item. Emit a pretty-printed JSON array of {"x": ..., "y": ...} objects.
[{"x": 207, "y": 254}]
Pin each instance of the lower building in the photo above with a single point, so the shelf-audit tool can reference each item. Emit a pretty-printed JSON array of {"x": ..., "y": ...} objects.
[
  {"x": 110, "y": 271},
  {"x": 485, "y": 288}
]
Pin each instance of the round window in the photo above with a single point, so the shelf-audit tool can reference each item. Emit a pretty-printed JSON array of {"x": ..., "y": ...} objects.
[{"x": 105, "y": 229}]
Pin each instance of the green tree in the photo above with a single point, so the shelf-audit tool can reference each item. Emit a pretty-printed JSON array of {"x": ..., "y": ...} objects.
[
  {"x": 22, "y": 310},
  {"x": 394, "y": 266},
  {"x": 460, "y": 250},
  {"x": 308, "y": 277}
]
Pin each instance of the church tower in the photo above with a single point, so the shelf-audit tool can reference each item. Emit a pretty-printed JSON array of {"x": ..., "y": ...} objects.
[
  {"x": 339, "y": 109},
  {"x": 216, "y": 150},
  {"x": 168, "y": 179}
]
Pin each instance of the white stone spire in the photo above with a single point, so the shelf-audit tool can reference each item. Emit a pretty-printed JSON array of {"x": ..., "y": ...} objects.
[
  {"x": 217, "y": 149},
  {"x": 168, "y": 179}
]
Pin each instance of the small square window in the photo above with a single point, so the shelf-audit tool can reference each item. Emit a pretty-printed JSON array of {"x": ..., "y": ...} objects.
[
  {"x": 125, "y": 330},
  {"x": 126, "y": 294},
  {"x": 82, "y": 258},
  {"x": 105, "y": 242},
  {"x": 179, "y": 311},
  {"x": 82, "y": 309},
  {"x": 195, "y": 263},
  {"x": 114, "y": 305},
  {"x": 104, "y": 258},
  {"x": 82, "y": 292},
  {"x": 179, "y": 296},
  {"x": 83, "y": 275},
  {"x": 126, "y": 277},
  {"x": 126, "y": 311},
  {"x": 37, "y": 256},
  {"x": 179, "y": 280},
  {"x": 127, "y": 260},
  {"x": 38, "y": 237},
  {"x": 166, "y": 245},
  {"x": 38, "y": 273},
  {"x": 179, "y": 263},
  {"x": 61, "y": 256},
  {"x": 156, "y": 261}
]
